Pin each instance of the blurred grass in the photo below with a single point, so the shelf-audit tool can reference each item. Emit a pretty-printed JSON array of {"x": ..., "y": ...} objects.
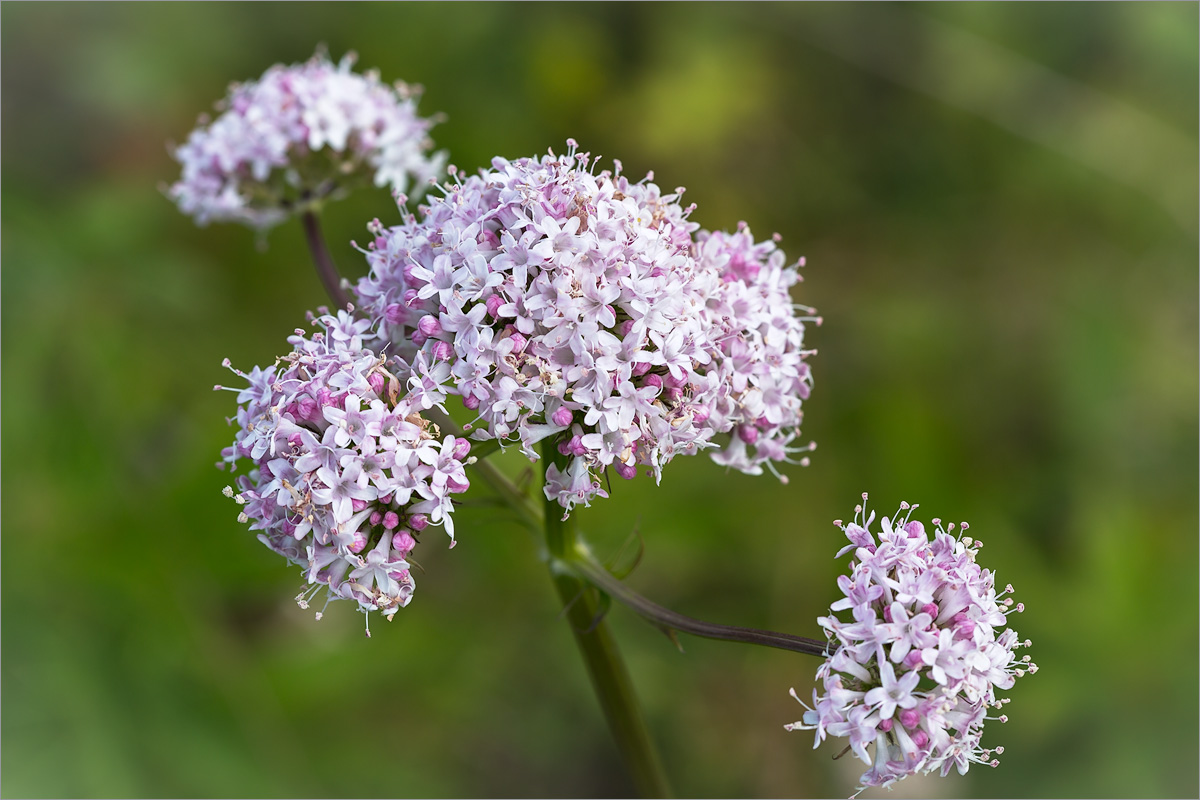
[{"x": 998, "y": 204}]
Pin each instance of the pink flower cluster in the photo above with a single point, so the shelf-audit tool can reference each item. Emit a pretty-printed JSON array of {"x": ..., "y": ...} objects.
[
  {"x": 345, "y": 473},
  {"x": 761, "y": 374},
  {"x": 298, "y": 135},
  {"x": 562, "y": 302},
  {"x": 917, "y": 670}
]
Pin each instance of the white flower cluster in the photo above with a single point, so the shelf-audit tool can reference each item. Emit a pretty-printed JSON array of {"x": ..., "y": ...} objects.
[
  {"x": 917, "y": 669},
  {"x": 561, "y": 302},
  {"x": 345, "y": 473},
  {"x": 298, "y": 135}
]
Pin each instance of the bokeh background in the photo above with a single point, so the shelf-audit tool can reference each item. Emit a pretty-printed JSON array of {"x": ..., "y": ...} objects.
[{"x": 998, "y": 204}]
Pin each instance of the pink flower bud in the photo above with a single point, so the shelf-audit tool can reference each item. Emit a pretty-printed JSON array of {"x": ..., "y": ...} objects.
[
  {"x": 306, "y": 408},
  {"x": 748, "y": 433},
  {"x": 914, "y": 529},
  {"x": 418, "y": 522},
  {"x": 390, "y": 520},
  {"x": 419, "y": 338},
  {"x": 885, "y": 725},
  {"x": 394, "y": 314},
  {"x": 931, "y": 609},
  {"x": 493, "y": 304},
  {"x": 700, "y": 414},
  {"x": 429, "y": 325},
  {"x": 376, "y": 382},
  {"x": 576, "y": 446},
  {"x": 671, "y": 382},
  {"x": 442, "y": 351},
  {"x": 359, "y": 543},
  {"x": 461, "y": 447},
  {"x": 376, "y": 517},
  {"x": 470, "y": 402},
  {"x": 403, "y": 541},
  {"x": 920, "y": 738},
  {"x": 456, "y": 486},
  {"x": 626, "y": 471},
  {"x": 409, "y": 298},
  {"x": 654, "y": 380},
  {"x": 562, "y": 417},
  {"x": 640, "y": 368},
  {"x": 519, "y": 343},
  {"x": 909, "y": 718},
  {"x": 358, "y": 505}
]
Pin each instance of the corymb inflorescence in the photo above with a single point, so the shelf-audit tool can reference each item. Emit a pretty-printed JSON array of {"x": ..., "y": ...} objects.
[
  {"x": 915, "y": 671},
  {"x": 345, "y": 472},
  {"x": 568, "y": 303},
  {"x": 300, "y": 135}
]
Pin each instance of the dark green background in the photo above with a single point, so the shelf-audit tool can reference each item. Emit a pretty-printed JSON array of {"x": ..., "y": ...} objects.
[{"x": 999, "y": 208}]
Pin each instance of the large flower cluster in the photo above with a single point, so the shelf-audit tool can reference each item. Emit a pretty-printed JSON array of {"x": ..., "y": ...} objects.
[
  {"x": 298, "y": 135},
  {"x": 345, "y": 473},
  {"x": 561, "y": 302},
  {"x": 917, "y": 670}
]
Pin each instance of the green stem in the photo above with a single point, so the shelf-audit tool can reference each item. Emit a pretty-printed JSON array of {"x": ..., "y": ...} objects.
[
  {"x": 583, "y": 564},
  {"x": 607, "y": 671},
  {"x": 323, "y": 261}
]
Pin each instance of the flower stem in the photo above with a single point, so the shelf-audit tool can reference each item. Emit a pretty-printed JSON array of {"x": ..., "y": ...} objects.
[
  {"x": 326, "y": 270},
  {"x": 607, "y": 671},
  {"x": 583, "y": 564}
]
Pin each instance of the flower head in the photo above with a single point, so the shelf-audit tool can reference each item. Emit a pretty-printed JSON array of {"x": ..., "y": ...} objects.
[
  {"x": 299, "y": 135},
  {"x": 345, "y": 472},
  {"x": 573, "y": 305},
  {"x": 917, "y": 668}
]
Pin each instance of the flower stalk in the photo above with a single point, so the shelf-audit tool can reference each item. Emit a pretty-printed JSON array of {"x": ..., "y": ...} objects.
[
  {"x": 327, "y": 271},
  {"x": 610, "y": 679},
  {"x": 583, "y": 564}
]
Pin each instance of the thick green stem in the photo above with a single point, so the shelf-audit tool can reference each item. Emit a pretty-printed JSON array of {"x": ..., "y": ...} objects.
[{"x": 607, "y": 671}]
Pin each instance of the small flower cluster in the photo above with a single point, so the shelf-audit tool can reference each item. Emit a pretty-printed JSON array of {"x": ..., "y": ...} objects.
[
  {"x": 299, "y": 135},
  {"x": 761, "y": 373},
  {"x": 916, "y": 671},
  {"x": 345, "y": 473},
  {"x": 561, "y": 302}
]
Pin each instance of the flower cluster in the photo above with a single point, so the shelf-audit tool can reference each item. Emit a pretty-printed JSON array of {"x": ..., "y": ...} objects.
[
  {"x": 298, "y": 135},
  {"x": 345, "y": 473},
  {"x": 562, "y": 302},
  {"x": 917, "y": 669},
  {"x": 762, "y": 377}
]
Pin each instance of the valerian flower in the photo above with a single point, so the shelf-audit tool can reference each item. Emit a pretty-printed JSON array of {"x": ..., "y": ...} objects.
[
  {"x": 570, "y": 304},
  {"x": 345, "y": 472},
  {"x": 917, "y": 670},
  {"x": 297, "y": 136}
]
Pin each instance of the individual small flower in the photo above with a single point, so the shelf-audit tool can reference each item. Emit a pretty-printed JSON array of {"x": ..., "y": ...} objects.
[
  {"x": 915, "y": 673},
  {"x": 570, "y": 305},
  {"x": 299, "y": 135},
  {"x": 345, "y": 472}
]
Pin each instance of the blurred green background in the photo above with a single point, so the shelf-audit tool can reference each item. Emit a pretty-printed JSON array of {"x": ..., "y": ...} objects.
[{"x": 998, "y": 204}]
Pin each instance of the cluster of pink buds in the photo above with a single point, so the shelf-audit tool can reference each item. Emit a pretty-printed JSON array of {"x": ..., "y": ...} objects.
[
  {"x": 345, "y": 473},
  {"x": 915, "y": 673}
]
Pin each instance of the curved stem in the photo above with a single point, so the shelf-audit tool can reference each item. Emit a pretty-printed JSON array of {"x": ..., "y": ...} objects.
[
  {"x": 597, "y": 575},
  {"x": 326, "y": 269},
  {"x": 607, "y": 671}
]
